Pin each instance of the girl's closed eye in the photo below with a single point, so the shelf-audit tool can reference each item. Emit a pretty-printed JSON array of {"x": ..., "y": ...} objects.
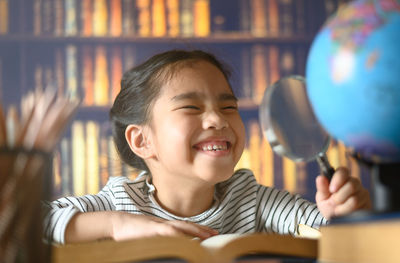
[
  {"x": 191, "y": 107},
  {"x": 230, "y": 108}
]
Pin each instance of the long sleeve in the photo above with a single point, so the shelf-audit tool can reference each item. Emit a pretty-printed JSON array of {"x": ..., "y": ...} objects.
[
  {"x": 60, "y": 211},
  {"x": 282, "y": 212}
]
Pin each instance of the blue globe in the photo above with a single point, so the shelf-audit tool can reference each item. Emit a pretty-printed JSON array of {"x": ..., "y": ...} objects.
[{"x": 353, "y": 78}]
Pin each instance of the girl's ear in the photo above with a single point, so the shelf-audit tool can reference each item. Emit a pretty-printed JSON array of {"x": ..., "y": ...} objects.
[{"x": 137, "y": 139}]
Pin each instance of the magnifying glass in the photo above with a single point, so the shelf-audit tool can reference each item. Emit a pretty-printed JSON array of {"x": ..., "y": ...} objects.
[{"x": 290, "y": 126}]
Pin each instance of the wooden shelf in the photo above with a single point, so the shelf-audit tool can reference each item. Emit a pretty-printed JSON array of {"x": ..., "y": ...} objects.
[{"x": 223, "y": 38}]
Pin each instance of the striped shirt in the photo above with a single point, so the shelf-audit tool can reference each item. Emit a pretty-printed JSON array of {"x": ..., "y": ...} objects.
[{"x": 241, "y": 205}]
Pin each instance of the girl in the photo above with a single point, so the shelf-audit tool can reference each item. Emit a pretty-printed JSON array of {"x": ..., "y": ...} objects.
[{"x": 176, "y": 118}]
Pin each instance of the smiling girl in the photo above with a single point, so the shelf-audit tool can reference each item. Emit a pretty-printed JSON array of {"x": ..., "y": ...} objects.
[{"x": 176, "y": 119}]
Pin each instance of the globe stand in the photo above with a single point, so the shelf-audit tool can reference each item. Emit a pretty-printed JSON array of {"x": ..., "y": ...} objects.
[{"x": 386, "y": 187}]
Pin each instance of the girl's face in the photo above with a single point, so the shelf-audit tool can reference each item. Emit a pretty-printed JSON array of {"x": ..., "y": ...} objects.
[{"x": 195, "y": 130}]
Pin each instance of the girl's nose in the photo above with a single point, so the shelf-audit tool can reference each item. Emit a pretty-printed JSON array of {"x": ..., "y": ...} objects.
[{"x": 214, "y": 120}]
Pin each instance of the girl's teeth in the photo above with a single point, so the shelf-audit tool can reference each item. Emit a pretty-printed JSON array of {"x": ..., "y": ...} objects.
[{"x": 214, "y": 148}]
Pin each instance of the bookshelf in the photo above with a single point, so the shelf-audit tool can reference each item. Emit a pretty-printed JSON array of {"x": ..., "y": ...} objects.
[{"x": 82, "y": 47}]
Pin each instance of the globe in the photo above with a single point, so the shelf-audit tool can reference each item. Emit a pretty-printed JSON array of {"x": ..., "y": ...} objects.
[{"x": 353, "y": 78}]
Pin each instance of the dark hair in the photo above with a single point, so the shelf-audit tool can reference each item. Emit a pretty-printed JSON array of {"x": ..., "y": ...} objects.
[{"x": 140, "y": 86}]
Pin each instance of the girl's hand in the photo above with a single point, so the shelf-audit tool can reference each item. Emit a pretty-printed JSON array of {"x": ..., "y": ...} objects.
[
  {"x": 127, "y": 226},
  {"x": 343, "y": 195}
]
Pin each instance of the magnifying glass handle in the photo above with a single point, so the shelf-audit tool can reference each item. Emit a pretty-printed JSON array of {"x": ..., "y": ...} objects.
[{"x": 325, "y": 166}]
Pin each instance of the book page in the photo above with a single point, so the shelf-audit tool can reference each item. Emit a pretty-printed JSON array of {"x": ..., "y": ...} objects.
[
  {"x": 227, "y": 247},
  {"x": 219, "y": 241},
  {"x": 308, "y": 232}
]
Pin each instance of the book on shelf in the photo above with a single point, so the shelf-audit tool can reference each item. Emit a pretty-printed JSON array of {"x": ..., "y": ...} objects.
[
  {"x": 273, "y": 18},
  {"x": 244, "y": 161},
  {"x": 265, "y": 18},
  {"x": 158, "y": 16},
  {"x": 87, "y": 79},
  {"x": 267, "y": 167},
  {"x": 116, "y": 72},
  {"x": 273, "y": 64},
  {"x": 259, "y": 67},
  {"x": 101, "y": 77},
  {"x": 71, "y": 72},
  {"x": 186, "y": 18},
  {"x": 48, "y": 17},
  {"x": 92, "y": 158},
  {"x": 70, "y": 18},
  {"x": 246, "y": 91},
  {"x": 37, "y": 17},
  {"x": 128, "y": 17},
  {"x": 114, "y": 162},
  {"x": 289, "y": 175},
  {"x": 115, "y": 18},
  {"x": 66, "y": 171},
  {"x": 59, "y": 70},
  {"x": 103, "y": 159},
  {"x": 92, "y": 73},
  {"x": 286, "y": 25},
  {"x": 56, "y": 189},
  {"x": 78, "y": 158},
  {"x": 87, "y": 158},
  {"x": 86, "y": 17},
  {"x": 58, "y": 18},
  {"x": 301, "y": 179},
  {"x": 173, "y": 20},
  {"x": 201, "y": 18},
  {"x": 254, "y": 149},
  {"x": 143, "y": 18},
  {"x": 258, "y": 155},
  {"x": 259, "y": 22},
  {"x": 100, "y": 18},
  {"x": 221, "y": 248},
  {"x": 4, "y": 17}
]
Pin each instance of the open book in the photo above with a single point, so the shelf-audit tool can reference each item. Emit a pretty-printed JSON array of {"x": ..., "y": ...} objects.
[{"x": 221, "y": 248}]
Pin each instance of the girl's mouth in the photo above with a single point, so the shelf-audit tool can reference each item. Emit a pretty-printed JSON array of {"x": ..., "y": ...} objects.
[{"x": 213, "y": 146}]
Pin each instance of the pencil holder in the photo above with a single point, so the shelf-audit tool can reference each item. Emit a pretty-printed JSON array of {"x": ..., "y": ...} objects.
[{"x": 24, "y": 182}]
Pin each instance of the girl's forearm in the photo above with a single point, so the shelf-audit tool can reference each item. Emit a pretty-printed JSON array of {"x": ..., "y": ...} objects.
[{"x": 90, "y": 226}]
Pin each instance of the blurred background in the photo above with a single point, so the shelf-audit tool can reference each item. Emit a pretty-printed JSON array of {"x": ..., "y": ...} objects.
[{"x": 82, "y": 47}]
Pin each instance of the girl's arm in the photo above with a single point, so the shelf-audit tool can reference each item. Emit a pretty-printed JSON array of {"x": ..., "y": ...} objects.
[
  {"x": 120, "y": 226},
  {"x": 90, "y": 226},
  {"x": 60, "y": 212}
]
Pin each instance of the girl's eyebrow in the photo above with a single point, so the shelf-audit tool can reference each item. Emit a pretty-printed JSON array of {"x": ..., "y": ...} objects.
[
  {"x": 227, "y": 97},
  {"x": 186, "y": 96},
  {"x": 195, "y": 95}
]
